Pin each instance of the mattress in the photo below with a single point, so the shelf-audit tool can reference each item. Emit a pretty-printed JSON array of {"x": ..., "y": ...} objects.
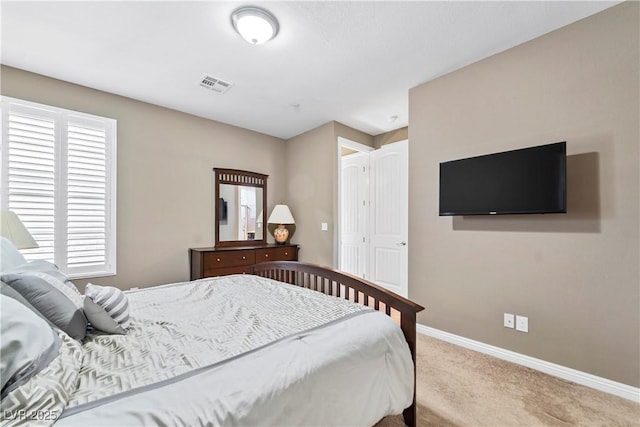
[{"x": 242, "y": 350}]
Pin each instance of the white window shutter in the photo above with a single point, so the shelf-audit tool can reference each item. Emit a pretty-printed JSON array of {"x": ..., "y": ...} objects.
[
  {"x": 31, "y": 176},
  {"x": 86, "y": 196},
  {"x": 59, "y": 178}
]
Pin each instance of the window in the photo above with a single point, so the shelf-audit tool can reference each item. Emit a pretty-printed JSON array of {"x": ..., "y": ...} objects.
[{"x": 58, "y": 174}]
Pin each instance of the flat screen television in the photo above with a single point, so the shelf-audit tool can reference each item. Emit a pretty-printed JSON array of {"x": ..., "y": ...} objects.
[
  {"x": 222, "y": 210},
  {"x": 525, "y": 181}
]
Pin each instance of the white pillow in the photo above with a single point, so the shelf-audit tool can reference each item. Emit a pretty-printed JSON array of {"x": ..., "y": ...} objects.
[
  {"x": 10, "y": 256},
  {"x": 107, "y": 308},
  {"x": 28, "y": 344}
]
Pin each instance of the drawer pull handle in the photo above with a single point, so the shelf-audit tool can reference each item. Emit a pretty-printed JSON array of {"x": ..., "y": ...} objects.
[
  {"x": 286, "y": 253},
  {"x": 266, "y": 255},
  {"x": 244, "y": 257},
  {"x": 218, "y": 260}
]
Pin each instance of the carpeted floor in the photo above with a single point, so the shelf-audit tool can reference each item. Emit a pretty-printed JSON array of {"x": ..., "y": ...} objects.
[{"x": 461, "y": 387}]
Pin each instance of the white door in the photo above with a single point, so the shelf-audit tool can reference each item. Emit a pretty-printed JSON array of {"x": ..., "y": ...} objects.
[
  {"x": 389, "y": 193},
  {"x": 354, "y": 213}
]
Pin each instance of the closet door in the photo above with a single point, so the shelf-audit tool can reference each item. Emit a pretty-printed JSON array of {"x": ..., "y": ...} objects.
[
  {"x": 354, "y": 213},
  {"x": 388, "y": 247}
]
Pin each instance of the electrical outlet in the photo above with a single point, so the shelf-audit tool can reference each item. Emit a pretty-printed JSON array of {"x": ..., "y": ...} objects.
[
  {"x": 508, "y": 320},
  {"x": 522, "y": 324}
]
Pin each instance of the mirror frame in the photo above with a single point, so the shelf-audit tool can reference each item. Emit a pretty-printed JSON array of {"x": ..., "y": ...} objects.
[{"x": 246, "y": 179}]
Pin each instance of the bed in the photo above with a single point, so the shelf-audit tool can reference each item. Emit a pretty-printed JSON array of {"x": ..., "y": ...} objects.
[{"x": 285, "y": 346}]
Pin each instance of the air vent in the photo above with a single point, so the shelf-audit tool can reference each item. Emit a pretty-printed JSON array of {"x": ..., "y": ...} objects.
[{"x": 214, "y": 84}]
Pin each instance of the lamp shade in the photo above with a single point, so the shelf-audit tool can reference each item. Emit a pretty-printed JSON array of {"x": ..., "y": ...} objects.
[
  {"x": 281, "y": 215},
  {"x": 13, "y": 229}
]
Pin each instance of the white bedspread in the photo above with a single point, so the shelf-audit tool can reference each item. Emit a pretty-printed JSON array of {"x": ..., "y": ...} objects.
[{"x": 297, "y": 358}]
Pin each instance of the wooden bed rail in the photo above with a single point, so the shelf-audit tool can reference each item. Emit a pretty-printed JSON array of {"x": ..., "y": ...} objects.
[{"x": 356, "y": 289}]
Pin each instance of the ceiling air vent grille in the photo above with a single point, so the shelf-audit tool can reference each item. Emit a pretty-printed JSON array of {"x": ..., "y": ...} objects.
[{"x": 214, "y": 84}]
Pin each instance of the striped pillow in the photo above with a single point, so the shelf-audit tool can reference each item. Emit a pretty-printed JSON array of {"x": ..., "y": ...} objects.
[{"x": 107, "y": 308}]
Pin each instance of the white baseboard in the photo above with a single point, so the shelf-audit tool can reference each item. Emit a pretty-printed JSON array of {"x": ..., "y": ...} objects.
[{"x": 583, "y": 378}]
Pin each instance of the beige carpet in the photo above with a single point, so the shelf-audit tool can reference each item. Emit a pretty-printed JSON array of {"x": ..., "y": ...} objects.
[{"x": 460, "y": 387}]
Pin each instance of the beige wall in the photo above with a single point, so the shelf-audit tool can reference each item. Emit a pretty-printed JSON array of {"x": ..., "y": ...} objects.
[
  {"x": 344, "y": 131},
  {"x": 312, "y": 189},
  {"x": 390, "y": 137},
  {"x": 575, "y": 276},
  {"x": 309, "y": 192},
  {"x": 165, "y": 176}
]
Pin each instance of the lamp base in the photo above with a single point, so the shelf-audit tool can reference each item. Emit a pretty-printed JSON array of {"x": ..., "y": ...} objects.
[{"x": 281, "y": 234}]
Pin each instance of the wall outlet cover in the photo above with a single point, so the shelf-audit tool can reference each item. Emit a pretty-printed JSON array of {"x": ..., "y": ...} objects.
[
  {"x": 509, "y": 320},
  {"x": 522, "y": 324}
]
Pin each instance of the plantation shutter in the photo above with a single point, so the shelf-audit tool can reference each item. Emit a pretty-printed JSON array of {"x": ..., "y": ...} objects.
[
  {"x": 31, "y": 176},
  {"x": 86, "y": 195},
  {"x": 58, "y": 176}
]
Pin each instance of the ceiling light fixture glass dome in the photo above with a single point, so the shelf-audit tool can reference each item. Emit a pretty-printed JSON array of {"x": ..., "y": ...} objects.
[{"x": 254, "y": 24}]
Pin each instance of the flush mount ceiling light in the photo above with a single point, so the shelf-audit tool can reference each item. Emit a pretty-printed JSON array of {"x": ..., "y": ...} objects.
[{"x": 254, "y": 24}]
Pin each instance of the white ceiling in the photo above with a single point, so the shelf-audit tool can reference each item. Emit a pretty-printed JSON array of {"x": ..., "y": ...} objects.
[{"x": 353, "y": 62}]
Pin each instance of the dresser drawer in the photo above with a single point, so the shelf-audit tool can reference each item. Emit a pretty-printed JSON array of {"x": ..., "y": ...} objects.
[
  {"x": 212, "y": 262},
  {"x": 287, "y": 253},
  {"x": 229, "y": 259}
]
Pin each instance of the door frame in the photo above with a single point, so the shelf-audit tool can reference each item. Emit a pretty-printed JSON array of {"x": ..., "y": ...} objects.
[
  {"x": 345, "y": 143},
  {"x": 351, "y": 145}
]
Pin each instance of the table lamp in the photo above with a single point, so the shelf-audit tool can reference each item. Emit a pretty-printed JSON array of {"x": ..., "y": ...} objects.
[{"x": 281, "y": 215}]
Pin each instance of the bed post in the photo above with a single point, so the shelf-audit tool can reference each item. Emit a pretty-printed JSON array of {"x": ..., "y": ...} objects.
[{"x": 408, "y": 326}]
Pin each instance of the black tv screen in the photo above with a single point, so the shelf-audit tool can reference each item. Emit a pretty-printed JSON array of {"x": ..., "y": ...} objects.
[
  {"x": 524, "y": 181},
  {"x": 222, "y": 210}
]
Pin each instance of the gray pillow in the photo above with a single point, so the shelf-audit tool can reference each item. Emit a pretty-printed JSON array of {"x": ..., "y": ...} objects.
[
  {"x": 107, "y": 308},
  {"x": 42, "y": 266},
  {"x": 52, "y": 298},
  {"x": 27, "y": 343},
  {"x": 12, "y": 293}
]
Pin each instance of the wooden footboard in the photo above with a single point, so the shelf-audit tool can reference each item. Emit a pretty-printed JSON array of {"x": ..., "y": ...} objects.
[{"x": 353, "y": 288}]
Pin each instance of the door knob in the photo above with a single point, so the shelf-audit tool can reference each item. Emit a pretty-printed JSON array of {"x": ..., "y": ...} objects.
[{"x": 402, "y": 243}]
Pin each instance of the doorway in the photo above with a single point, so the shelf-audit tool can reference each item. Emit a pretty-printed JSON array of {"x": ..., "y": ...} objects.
[{"x": 373, "y": 213}]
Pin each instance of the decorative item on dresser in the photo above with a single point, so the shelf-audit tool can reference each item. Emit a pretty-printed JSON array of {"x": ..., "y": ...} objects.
[
  {"x": 211, "y": 262},
  {"x": 281, "y": 224}
]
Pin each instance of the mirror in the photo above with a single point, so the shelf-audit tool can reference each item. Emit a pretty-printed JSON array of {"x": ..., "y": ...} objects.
[
  {"x": 240, "y": 206},
  {"x": 239, "y": 213}
]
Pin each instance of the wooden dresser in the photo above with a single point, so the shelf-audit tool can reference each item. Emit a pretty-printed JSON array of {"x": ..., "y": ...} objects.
[{"x": 211, "y": 262}]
